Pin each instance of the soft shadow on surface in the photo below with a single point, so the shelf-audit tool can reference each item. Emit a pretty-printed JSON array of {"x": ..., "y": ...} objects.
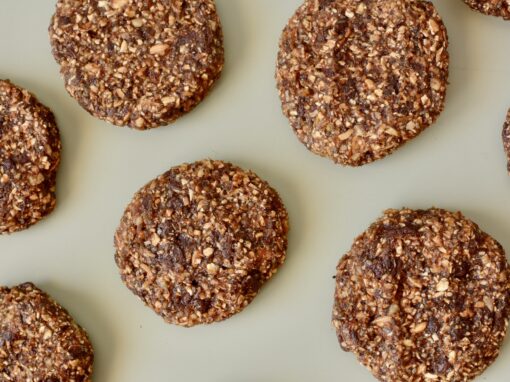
[
  {"x": 90, "y": 316},
  {"x": 234, "y": 35}
]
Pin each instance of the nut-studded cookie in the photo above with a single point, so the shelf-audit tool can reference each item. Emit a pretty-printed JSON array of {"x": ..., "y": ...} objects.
[
  {"x": 138, "y": 63},
  {"x": 357, "y": 79},
  {"x": 197, "y": 243},
  {"x": 423, "y": 296},
  {"x": 29, "y": 159},
  {"x": 499, "y": 8},
  {"x": 506, "y": 138},
  {"x": 39, "y": 340}
]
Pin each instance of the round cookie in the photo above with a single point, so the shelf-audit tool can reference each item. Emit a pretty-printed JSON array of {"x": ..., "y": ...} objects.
[
  {"x": 359, "y": 79},
  {"x": 499, "y": 8},
  {"x": 138, "y": 63},
  {"x": 506, "y": 138},
  {"x": 29, "y": 159},
  {"x": 197, "y": 243},
  {"x": 423, "y": 296},
  {"x": 39, "y": 340}
]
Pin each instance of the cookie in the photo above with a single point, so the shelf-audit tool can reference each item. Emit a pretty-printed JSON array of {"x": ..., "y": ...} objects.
[
  {"x": 29, "y": 159},
  {"x": 506, "y": 138},
  {"x": 423, "y": 296},
  {"x": 359, "y": 79},
  {"x": 138, "y": 63},
  {"x": 39, "y": 340},
  {"x": 499, "y": 8},
  {"x": 197, "y": 243}
]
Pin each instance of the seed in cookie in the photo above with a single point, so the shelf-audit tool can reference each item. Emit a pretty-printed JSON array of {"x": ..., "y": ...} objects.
[
  {"x": 138, "y": 63},
  {"x": 29, "y": 159},
  {"x": 197, "y": 243},
  {"x": 506, "y": 138},
  {"x": 499, "y": 8},
  {"x": 39, "y": 340},
  {"x": 359, "y": 79},
  {"x": 423, "y": 296}
]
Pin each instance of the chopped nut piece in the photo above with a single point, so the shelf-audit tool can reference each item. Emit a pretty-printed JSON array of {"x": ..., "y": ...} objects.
[
  {"x": 116, "y": 4},
  {"x": 419, "y": 328},
  {"x": 212, "y": 269},
  {"x": 442, "y": 285},
  {"x": 137, "y": 23},
  {"x": 160, "y": 49}
]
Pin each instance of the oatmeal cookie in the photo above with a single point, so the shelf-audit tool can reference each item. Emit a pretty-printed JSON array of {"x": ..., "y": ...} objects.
[
  {"x": 423, "y": 296},
  {"x": 138, "y": 63},
  {"x": 358, "y": 79},
  {"x": 29, "y": 159},
  {"x": 197, "y": 243}
]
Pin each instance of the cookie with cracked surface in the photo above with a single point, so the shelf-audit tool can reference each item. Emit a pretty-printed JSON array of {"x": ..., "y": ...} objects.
[
  {"x": 39, "y": 340},
  {"x": 138, "y": 63},
  {"x": 359, "y": 79},
  {"x": 197, "y": 243},
  {"x": 499, "y": 8},
  {"x": 29, "y": 159},
  {"x": 506, "y": 138},
  {"x": 423, "y": 296}
]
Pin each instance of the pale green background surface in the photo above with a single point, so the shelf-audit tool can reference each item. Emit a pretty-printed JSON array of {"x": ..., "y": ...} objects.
[{"x": 285, "y": 335}]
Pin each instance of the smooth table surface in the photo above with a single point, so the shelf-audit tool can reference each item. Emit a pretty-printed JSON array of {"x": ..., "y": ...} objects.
[{"x": 285, "y": 334}]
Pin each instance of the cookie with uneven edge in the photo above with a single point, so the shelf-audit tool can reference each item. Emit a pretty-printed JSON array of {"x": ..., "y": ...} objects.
[
  {"x": 39, "y": 340},
  {"x": 506, "y": 138},
  {"x": 138, "y": 63},
  {"x": 423, "y": 296},
  {"x": 359, "y": 79},
  {"x": 29, "y": 159},
  {"x": 197, "y": 243},
  {"x": 499, "y": 8}
]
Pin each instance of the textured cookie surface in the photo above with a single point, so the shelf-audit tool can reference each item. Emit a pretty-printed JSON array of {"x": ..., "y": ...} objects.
[
  {"x": 500, "y": 8},
  {"x": 423, "y": 296},
  {"x": 136, "y": 62},
  {"x": 359, "y": 79},
  {"x": 39, "y": 340},
  {"x": 197, "y": 243},
  {"x": 29, "y": 159},
  {"x": 506, "y": 138}
]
